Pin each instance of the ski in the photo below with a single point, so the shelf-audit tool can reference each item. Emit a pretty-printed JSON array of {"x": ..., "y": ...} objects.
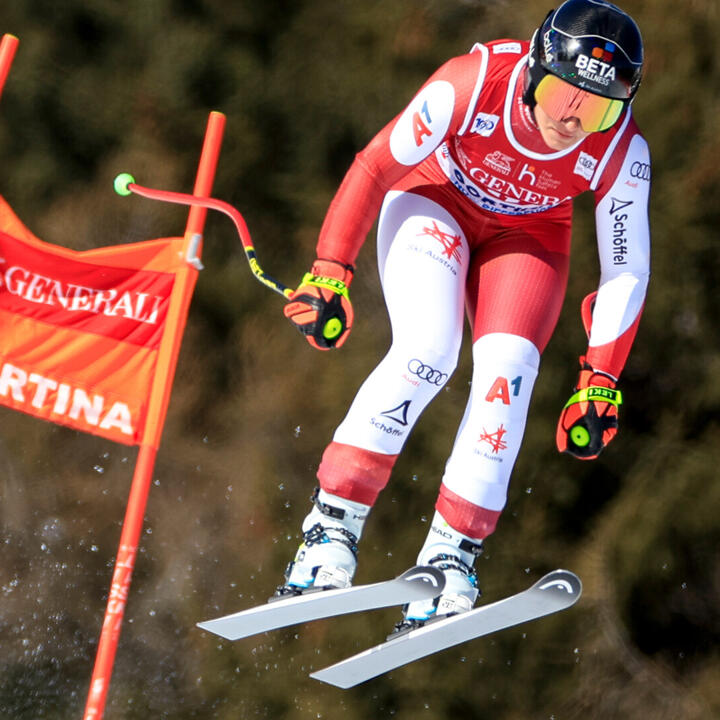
[
  {"x": 417, "y": 583},
  {"x": 556, "y": 591}
]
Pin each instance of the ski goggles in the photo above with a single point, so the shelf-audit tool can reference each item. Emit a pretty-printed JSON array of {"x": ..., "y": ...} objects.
[{"x": 560, "y": 100}]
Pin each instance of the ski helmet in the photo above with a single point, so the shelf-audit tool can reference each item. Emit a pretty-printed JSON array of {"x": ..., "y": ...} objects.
[{"x": 591, "y": 45}]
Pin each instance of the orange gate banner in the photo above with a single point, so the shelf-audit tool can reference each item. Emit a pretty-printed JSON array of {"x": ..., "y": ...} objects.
[{"x": 80, "y": 331}]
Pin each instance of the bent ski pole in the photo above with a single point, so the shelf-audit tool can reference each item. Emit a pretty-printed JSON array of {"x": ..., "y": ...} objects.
[{"x": 125, "y": 185}]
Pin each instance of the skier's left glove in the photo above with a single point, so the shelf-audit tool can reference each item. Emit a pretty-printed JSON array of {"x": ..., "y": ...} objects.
[
  {"x": 320, "y": 308},
  {"x": 589, "y": 420}
]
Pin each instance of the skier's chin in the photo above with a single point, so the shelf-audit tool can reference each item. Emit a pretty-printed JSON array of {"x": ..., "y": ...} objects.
[{"x": 558, "y": 140}]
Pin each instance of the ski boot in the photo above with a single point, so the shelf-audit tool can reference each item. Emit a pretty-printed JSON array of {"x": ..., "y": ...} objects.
[
  {"x": 454, "y": 554},
  {"x": 327, "y": 556}
]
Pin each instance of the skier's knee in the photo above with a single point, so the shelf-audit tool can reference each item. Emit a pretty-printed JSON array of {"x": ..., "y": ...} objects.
[{"x": 506, "y": 347}]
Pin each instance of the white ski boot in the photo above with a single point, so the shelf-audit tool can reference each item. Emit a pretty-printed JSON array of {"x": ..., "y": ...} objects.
[
  {"x": 453, "y": 553},
  {"x": 327, "y": 557}
]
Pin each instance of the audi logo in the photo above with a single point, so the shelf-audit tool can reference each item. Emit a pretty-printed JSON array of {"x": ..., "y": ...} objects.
[
  {"x": 640, "y": 170},
  {"x": 427, "y": 373}
]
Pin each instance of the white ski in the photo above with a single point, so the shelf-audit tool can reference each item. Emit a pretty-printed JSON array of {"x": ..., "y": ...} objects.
[
  {"x": 417, "y": 583},
  {"x": 556, "y": 591}
]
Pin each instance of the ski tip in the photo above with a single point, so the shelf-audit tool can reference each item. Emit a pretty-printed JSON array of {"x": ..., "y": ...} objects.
[
  {"x": 219, "y": 627},
  {"x": 561, "y": 583},
  {"x": 321, "y": 675},
  {"x": 223, "y": 629},
  {"x": 428, "y": 577}
]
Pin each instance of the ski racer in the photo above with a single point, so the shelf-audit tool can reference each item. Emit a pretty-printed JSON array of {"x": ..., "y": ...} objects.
[{"x": 473, "y": 183}]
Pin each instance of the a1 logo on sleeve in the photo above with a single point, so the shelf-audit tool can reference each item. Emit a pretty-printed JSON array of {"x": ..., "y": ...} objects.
[{"x": 423, "y": 125}]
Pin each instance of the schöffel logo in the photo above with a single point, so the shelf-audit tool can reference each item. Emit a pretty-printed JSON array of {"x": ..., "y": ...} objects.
[
  {"x": 426, "y": 372},
  {"x": 619, "y": 230},
  {"x": 641, "y": 171},
  {"x": 399, "y": 413},
  {"x": 604, "y": 53}
]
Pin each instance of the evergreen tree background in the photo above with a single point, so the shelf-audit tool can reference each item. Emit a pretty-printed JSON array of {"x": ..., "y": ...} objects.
[{"x": 100, "y": 87}]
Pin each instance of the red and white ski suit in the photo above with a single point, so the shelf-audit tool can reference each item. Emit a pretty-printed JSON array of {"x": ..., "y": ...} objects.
[{"x": 475, "y": 217}]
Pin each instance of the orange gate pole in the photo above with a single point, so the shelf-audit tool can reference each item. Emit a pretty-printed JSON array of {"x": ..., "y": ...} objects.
[
  {"x": 157, "y": 409},
  {"x": 8, "y": 46}
]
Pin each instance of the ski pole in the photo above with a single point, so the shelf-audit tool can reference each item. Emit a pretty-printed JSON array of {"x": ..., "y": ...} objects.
[{"x": 125, "y": 185}]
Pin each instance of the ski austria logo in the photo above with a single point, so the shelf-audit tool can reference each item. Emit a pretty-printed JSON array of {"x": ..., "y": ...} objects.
[
  {"x": 423, "y": 124},
  {"x": 484, "y": 124},
  {"x": 494, "y": 439},
  {"x": 451, "y": 244}
]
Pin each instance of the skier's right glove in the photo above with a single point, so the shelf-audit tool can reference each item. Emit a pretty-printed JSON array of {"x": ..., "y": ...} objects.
[
  {"x": 320, "y": 308},
  {"x": 589, "y": 420}
]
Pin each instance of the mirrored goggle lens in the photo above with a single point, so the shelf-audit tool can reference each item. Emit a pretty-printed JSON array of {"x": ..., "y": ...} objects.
[{"x": 561, "y": 100}]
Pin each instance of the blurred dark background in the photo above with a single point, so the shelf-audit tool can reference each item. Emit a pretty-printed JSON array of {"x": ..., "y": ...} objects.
[{"x": 99, "y": 87}]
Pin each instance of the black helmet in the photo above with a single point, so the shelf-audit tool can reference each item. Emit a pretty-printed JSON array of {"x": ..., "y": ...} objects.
[{"x": 590, "y": 44}]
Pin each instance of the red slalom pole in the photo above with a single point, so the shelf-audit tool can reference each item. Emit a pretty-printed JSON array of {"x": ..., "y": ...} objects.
[
  {"x": 8, "y": 46},
  {"x": 157, "y": 410}
]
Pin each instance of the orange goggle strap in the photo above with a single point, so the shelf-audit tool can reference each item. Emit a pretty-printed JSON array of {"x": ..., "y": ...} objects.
[{"x": 559, "y": 99}]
